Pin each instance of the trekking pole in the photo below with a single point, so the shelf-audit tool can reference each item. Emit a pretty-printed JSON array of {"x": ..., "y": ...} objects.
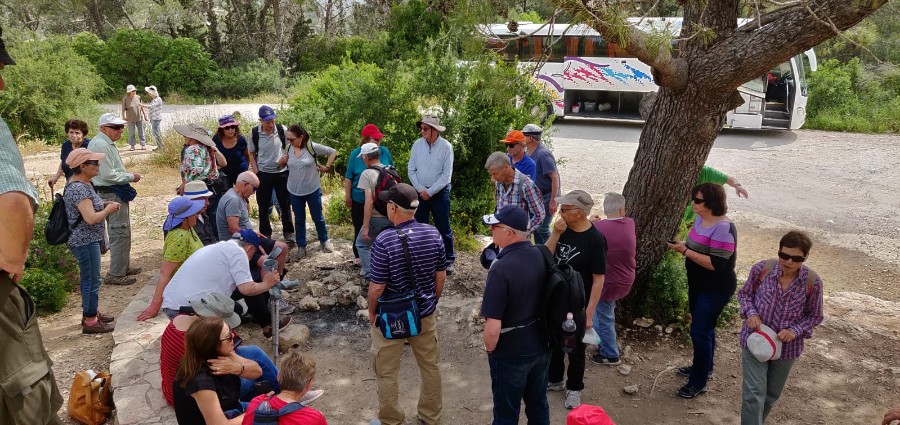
[{"x": 271, "y": 264}]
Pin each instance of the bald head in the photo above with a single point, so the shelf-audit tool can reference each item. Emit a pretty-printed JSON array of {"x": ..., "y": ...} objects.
[
  {"x": 246, "y": 184},
  {"x": 249, "y": 177}
]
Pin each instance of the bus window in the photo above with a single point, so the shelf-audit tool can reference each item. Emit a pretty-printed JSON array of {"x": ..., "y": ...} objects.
[
  {"x": 537, "y": 48},
  {"x": 571, "y": 44},
  {"x": 592, "y": 46}
]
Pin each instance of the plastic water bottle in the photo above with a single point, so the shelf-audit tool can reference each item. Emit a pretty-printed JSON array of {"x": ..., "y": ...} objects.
[
  {"x": 569, "y": 340},
  {"x": 265, "y": 414}
]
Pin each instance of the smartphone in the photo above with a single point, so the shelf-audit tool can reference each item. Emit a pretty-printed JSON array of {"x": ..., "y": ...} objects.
[
  {"x": 671, "y": 241},
  {"x": 262, "y": 387},
  {"x": 236, "y": 341}
]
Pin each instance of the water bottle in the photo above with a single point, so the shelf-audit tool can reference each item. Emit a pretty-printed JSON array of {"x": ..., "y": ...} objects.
[
  {"x": 265, "y": 414},
  {"x": 569, "y": 340}
]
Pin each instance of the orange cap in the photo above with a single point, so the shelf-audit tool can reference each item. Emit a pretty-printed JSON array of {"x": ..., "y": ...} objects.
[{"x": 514, "y": 136}]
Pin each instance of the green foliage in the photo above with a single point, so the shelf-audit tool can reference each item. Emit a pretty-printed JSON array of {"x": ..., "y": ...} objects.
[
  {"x": 666, "y": 300},
  {"x": 185, "y": 67},
  {"x": 530, "y": 16},
  {"x": 129, "y": 58},
  {"x": 47, "y": 289},
  {"x": 316, "y": 53},
  {"x": 259, "y": 76},
  {"x": 89, "y": 45},
  {"x": 852, "y": 97},
  {"x": 410, "y": 25},
  {"x": 49, "y": 84},
  {"x": 336, "y": 213}
]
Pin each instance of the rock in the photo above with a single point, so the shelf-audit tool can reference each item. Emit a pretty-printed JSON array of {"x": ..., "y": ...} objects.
[
  {"x": 631, "y": 389},
  {"x": 658, "y": 328},
  {"x": 626, "y": 352},
  {"x": 362, "y": 303},
  {"x": 316, "y": 288},
  {"x": 363, "y": 315},
  {"x": 308, "y": 303},
  {"x": 624, "y": 369},
  {"x": 328, "y": 301},
  {"x": 643, "y": 322},
  {"x": 337, "y": 278},
  {"x": 293, "y": 336},
  {"x": 669, "y": 329},
  {"x": 347, "y": 294}
]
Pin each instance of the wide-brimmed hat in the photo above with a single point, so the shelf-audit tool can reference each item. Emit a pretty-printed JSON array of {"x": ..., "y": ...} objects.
[
  {"x": 130, "y": 88},
  {"x": 196, "y": 189},
  {"x": 228, "y": 121},
  {"x": 577, "y": 198},
  {"x": 510, "y": 215},
  {"x": 366, "y": 149},
  {"x": 432, "y": 121},
  {"x": 514, "y": 136},
  {"x": 402, "y": 194},
  {"x": 110, "y": 118},
  {"x": 196, "y": 132},
  {"x": 151, "y": 89},
  {"x": 371, "y": 130},
  {"x": 215, "y": 304},
  {"x": 764, "y": 344},
  {"x": 78, "y": 156},
  {"x": 5, "y": 58},
  {"x": 181, "y": 208}
]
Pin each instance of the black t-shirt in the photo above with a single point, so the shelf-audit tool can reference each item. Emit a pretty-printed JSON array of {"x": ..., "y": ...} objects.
[
  {"x": 227, "y": 387},
  {"x": 513, "y": 296},
  {"x": 585, "y": 252}
]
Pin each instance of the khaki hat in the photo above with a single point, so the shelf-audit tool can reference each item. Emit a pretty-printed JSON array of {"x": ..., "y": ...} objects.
[
  {"x": 215, "y": 304},
  {"x": 196, "y": 132},
  {"x": 432, "y": 121},
  {"x": 577, "y": 198},
  {"x": 196, "y": 189},
  {"x": 80, "y": 155},
  {"x": 130, "y": 88}
]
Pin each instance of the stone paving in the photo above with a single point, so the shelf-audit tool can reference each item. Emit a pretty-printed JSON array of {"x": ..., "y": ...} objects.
[{"x": 135, "y": 365}]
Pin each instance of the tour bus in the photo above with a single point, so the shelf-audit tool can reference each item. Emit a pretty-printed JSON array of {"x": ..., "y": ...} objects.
[{"x": 587, "y": 77}]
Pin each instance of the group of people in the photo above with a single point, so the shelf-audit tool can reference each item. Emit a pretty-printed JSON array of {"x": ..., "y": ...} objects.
[{"x": 135, "y": 113}]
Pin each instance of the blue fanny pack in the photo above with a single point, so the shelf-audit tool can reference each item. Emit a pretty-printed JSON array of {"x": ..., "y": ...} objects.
[{"x": 397, "y": 315}]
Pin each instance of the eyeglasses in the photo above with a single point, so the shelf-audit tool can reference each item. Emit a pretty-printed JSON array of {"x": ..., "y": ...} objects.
[
  {"x": 95, "y": 163},
  {"x": 254, "y": 187},
  {"x": 698, "y": 200},
  {"x": 115, "y": 127},
  {"x": 511, "y": 145},
  {"x": 794, "y": 258},
  {"x": 228, "y": 338},
  {"x": 568, "y": 210}
]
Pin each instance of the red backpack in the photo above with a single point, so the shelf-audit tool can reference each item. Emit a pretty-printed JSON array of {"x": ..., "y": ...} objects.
[
  {"x": 770, "y": 264},
  {"x": 387, "y": 178}
]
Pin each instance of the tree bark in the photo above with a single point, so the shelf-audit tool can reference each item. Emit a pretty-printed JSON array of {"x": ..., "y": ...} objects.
[
  {"x": 96, "y": 18},
  {"x": 213, "y": 36}
]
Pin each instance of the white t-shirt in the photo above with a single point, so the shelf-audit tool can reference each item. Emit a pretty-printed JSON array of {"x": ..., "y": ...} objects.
[
  {"x": 367, "y": 181},
  {"x": 219, "y": 267}
]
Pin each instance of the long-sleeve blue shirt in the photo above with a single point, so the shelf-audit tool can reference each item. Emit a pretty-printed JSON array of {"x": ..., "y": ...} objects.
[{"x": 430, "y": 165}]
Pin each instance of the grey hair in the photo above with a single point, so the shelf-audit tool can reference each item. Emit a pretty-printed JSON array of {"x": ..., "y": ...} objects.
[
  {"x": 496, "y": 160},
  {"x": 374, "y": 155},
  {"x": 537, "y": 137},
  {"x": 612, "y": 203}
]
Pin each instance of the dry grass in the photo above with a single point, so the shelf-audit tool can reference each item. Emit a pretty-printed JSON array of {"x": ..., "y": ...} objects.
[{"x": 31, "y": 146}]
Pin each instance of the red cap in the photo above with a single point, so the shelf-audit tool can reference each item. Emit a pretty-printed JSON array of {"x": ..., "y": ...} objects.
[
  {"x": 588, "y": 415},
  {"x": 370, "y": 130}
]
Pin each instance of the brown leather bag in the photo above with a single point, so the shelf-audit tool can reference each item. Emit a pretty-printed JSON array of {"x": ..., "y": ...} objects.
[{"x": 90, "y": 401}]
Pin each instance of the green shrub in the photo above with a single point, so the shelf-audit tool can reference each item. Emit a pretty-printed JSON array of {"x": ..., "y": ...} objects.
[
  {"x": 186, "y": 67},
  {"x": 259, "y": 76},
  {"x": 49, "y": 84},
  {"x": 336, "y": 213},
  {"x": 47, "y": 289},
  {"x": 89, "y": 45},
  {"x": 130, "y": 57},
  {"x": 666, "y": 300},
  {"x": 410, "y": 25},
  {"x": 318, "y": 52}
]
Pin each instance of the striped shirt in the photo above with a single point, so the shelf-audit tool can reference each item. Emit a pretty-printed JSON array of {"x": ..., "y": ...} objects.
[
  {"x": 171, "y": 350},
  {"x": 430, "y": 165},
  {"x": 719, "y": 242},
  {"x": 525, "y": 194},
  {"x": 12, "y": 169},
  {"x": 154, "y": 109},
  {"x": 795, "y": 308},
  {"x": 426, "y": 250}
]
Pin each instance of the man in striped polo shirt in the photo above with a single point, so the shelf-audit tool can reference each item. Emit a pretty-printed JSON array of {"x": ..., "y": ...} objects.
[{"x": 389, "y": 273}]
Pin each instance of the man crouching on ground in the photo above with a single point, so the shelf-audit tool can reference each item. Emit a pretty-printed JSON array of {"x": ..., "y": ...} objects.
[
  {"x": 517, "y": 351},
  {"x": 391, "y": 276}
]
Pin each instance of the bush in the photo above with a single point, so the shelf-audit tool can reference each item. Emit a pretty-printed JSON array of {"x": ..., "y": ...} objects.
[
  {"x": 666, "y": 300},
  {"x": 318, "y": 52},
  {"x": 129, "y": 58},
  {"x": 186, "y": 67},
  {"x": 47, "y": 289},
  {"x": 53, "y": 259},
  {"x": 336, "y": 213},
  {"x": 851, "y": 97},
  {"x": 49, "y": 84},
  {"x": 259, "y": 76}
]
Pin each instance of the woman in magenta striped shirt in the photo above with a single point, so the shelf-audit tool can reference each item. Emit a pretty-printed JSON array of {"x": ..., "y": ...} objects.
[
  {"x": 709, "y": 257},
  {"x": 786, "y": 296}
]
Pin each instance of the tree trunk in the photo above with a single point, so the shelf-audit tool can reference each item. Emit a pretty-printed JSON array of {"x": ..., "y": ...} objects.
[
  {"x": 214, "y": 38},
  {"x": 96, "y": 18}
]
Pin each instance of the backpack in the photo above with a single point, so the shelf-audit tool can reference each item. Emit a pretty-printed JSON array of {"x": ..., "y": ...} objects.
[
  {"x": 90, "y": 401},
  {"x": 563, "y": 293},
  {"x": 271, "y": 416},
  {"x": 387, "y": 178},
  {"x": 770, "y": 264},
  {"x": 57, "y": 228},
  {"x": 254, "y": 135}
]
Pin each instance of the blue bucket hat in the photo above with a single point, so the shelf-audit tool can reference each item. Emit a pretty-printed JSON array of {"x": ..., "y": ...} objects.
[{"x": 181, "y": 208}]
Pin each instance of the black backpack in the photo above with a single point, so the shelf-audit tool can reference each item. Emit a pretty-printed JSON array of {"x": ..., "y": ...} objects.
[
  {"x": 254, "y": 136},
  {"x": 563, "y": 293},
  {"x": 387, "y": 178},
  {"x": 271, "y": 417},
  {"x": 57, "y": 228}
]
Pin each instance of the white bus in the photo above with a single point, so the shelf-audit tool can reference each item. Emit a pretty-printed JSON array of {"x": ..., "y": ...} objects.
[{"x": 588, "y": 77}]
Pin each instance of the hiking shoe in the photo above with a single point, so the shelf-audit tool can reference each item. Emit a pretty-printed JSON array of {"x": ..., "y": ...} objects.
[
  {"x": 608, "y": 361},
  {"x": 299, "y": 254},
  {"x": 327, "y": 246},
  {"x": 686, "y": 372},
  {"x": 97, "y": 328},
  {"x": 267, "y": 331},
  {"x": 450, "y": 269},
  {"x": 573, "y": 399},
  {"x": 131, "y": 271},
  {"x": 688, "y": 391},
  {"x": 362, "y": 272},
  {"x": 311, "y": 396},
  {"x": 290, "y": 238},
  {"x": 285, "y": 307},
  {"x": 105, "y": 318},
  {"x": 119, "y": 280},
  {"x": 292, "y": 284},
  {"x": 556, "y": 386}
]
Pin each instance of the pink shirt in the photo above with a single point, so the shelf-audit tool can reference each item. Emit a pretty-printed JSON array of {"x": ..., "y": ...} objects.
[{"x": 621, "y": 244}]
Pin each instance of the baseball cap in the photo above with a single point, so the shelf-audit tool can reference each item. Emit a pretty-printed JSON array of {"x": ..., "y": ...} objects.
[
  {"x": 764, "y": 344},
  {"x": 577, "y": 198},
  {"x": 586, "y": 414},
  {"x": 5, "y": 58},
  {"x": 110, "y": 118},
  {"x": 366, "y": 149},
  {"x": 78, "y": 156},
  {"x": 130, "y": 88},
  {"x": 402, "y": 194},
  {"x": 215, "y": 304},
  {"x": 196, "y": 132},
  {"x": 431, "y": 120},
  {"x": 371, "y": 130},
  {"x": 514, "y": 136},
  {"x": 248, "y": 236},
  {"x": 510, "y": 215},
  {"x": 228, "y": 121},
  {"x": 532, "y": 130},
  {"x": 266, "y": 113},
  {"x": 196, "y": 189},
  {"x": 181, "y": 208}
]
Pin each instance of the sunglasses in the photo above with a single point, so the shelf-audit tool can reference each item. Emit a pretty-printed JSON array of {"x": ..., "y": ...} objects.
[
  {"x": 254, "y": 187},
  {"x": 698, "y": 200},
  {"x": 91, "y": 162},
  {"x": 116, "y": 127},
  {"x": 511, "y": 145},
  {"x": 794, "y": 258}
]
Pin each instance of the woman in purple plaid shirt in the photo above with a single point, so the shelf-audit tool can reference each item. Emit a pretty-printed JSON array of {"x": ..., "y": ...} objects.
[{"x": 789, "y": 303}]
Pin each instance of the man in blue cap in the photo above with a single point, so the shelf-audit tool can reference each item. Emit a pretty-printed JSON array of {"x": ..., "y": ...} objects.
[{"x": 267, "y": 145}]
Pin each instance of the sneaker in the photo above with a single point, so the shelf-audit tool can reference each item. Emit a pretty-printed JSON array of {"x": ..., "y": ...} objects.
[
  {"x": 289, "y": 238},
  {"x": 608, "y": 361},
  {"x": 131, "y": 271},
  {"x": 450, "y": 269},
  {"x": 327, "y": 246},
  {"x": 299, "y": 254},
  {"x": 686, "y": 372},
  {"x": 688, "y": 391},
  {"x": 105, "y": 318},
  {"x": 362, "y": 272},
  {"x": 285, "y": 320},
  {"x": 131, "y": 149},
  {"x": 311, "y": 396},
  {"x": 119, "y": 280},
  {"x": 285, "y": 307},
  {"x": 556, "y": 386},
  {"x": 292, "y": 284},
  {"x": 100, "y": 327},
  {"x": 573, "y": 399}
]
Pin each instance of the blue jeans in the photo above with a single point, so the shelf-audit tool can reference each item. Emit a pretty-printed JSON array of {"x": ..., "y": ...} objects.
[
  {"x": 376, "y": 224},
  {"x": 88, "y": 257},
  {"x": 605, "y": 326},
  {"x": 705, "y": 310},
  {"x": 298, "y": 204},
  {"x": 542, "y": 233},
  {"x": 517, "y": 379},
  {"x": 154, "y": 127},
  {"x": 439, "y": 207},
  {"x": 269, "y": 371}
]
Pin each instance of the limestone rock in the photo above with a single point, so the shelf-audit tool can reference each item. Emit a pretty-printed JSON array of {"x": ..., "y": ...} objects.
[
  {"x": 347, "y": 294},
  {"x": 328, "y": 301},
  {"x": 658, "y": 328},
  {"x": 626, "y": 352},
  {"x": 643, "y": 322},
  {"x": 316, "y": 288},
  {"x": 293, "y": 336},
  {"x": 362, "y": 303},
  {"x": 363, "y": 315},
  {"x": 624, "y": 369},
  {"x": 631, "y": 389},
  {"x": 338, "y": 278},
  {"x": 308, "y": 303}
]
